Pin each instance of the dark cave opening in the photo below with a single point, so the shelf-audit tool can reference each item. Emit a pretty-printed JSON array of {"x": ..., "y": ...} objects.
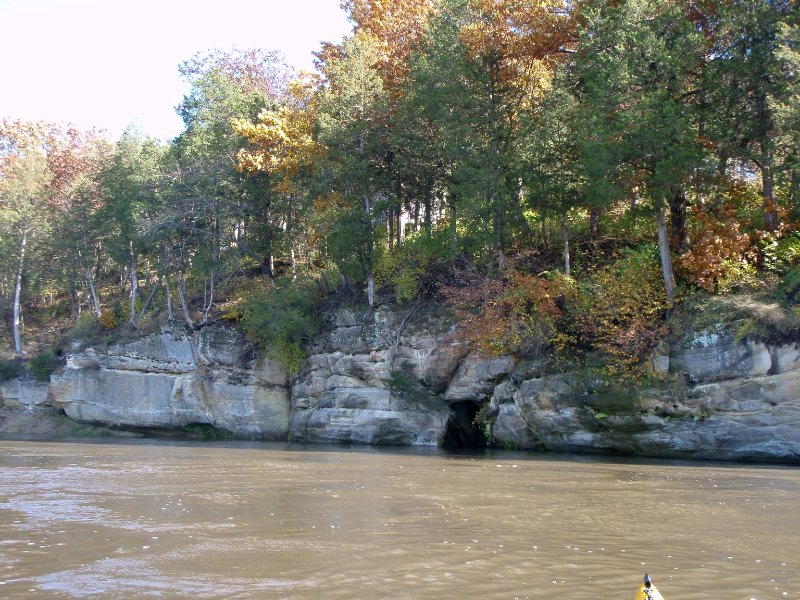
[{"x": 462, "y": 432}]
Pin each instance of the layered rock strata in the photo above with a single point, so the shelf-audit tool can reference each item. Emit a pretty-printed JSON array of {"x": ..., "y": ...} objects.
[
  {"x": 175, "y": 379},
  {"x": 394, "y": 377}
]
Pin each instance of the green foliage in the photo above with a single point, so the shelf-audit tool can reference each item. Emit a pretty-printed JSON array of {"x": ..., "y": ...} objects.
[
  {"x": 350, "y": 243},
  {"x": 86, "y": 326},
  {"x": 747, "y": 316},
  {"x": 42, "y": 365},
  {"x": 283, "y": 319},
  {"x": 780, "y": 255},
  {"x": 290, "y": 354},
  {"x": 620, "y": 313},
  {"x": 789, "y": 289},
  {"x": 412, "y": 268},
  {"x": 206, "y": 432},
  {"x": 479, "y": 162},
  {"x": 242, "y": 293},
  {"x": 9, "y": 369},
  {"x": 402, "y": 382}
]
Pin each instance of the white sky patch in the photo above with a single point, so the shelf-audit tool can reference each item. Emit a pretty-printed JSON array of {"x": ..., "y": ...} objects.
[{"x": 112, "y": 63}]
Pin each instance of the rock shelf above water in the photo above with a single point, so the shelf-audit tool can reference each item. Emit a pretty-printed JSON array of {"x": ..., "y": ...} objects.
[{"x": 366, "y": 383}]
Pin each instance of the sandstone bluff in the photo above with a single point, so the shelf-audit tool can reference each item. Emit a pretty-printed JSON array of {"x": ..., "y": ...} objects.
[{"x": 372, "y": 378}]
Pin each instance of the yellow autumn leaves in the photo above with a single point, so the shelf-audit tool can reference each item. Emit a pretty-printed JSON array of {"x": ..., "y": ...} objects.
[{"x": 281, "y": 142}]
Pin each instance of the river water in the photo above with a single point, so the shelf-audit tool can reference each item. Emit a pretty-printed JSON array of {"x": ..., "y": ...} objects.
[{"x": 180, "y": 520}]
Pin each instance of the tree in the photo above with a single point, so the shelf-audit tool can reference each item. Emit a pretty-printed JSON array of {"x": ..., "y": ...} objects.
[
  {"x": 396, "y": 27},
  {"x": 636, "y": 62},
  {"x": 786, "y": 105},
  {"x": 551, "y": 166},
  {"x": 23, "y": 184},
  {"x": 129, "y": 189},
  {"x": 281, "y": 144},
  {"x": 745, "y": 79},
  {"x": 75, "y": 166},
  {"x": 352, "y": 122},
  {"x": 211, "y": 199}
]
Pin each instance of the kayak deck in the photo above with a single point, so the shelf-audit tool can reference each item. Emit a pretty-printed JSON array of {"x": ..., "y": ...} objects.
[{"x": 647, "y": 590}]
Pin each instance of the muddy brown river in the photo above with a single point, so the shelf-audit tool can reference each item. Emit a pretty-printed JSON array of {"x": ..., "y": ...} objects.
[{"x": 239, "y": 520}]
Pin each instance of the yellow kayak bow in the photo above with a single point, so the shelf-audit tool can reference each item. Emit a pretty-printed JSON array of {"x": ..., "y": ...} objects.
[{"x": 648, "y": 591}]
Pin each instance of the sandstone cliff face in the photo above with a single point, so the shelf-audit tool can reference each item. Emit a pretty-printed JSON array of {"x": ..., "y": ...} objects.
[
  {"x": 374, "y": 379},
  {"x": 173, "y": 380},
  {"x": 727, "y": 400},
  {"x": 387, "y": 377}
]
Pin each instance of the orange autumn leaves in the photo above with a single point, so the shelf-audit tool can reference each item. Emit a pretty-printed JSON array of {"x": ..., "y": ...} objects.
[
  {"x": 517, "y": 314},
  {"x": 521, "y": 39},
  {"x": 394, "y": 28}
]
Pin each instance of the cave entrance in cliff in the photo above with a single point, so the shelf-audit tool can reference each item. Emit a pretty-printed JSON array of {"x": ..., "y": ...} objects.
[{"x": 462, "y": 432}]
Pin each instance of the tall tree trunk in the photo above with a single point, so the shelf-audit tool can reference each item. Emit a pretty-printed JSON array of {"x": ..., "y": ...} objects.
[
  {"x": 771, "y": 219},
  {"x": 594, "y": 221},
  {"x": 181, "y": 283},
  {"x": 565, "y": 232},
  {"x": 390, "y": 228},
  {"x": 208, "y": 302},
  {"x": 370, "y": 275},
  {"x": 150, "y": 296},
  {"x": 168, "y": 291},
  {"x": 666, "y": 256},
  {"x": 134, "y": 274},
  {"x": 93, "y": 292},
  {"x": 453, "y": 227},
  {"x": 89, "y": 277},
  {"x": 677, "y": 220},
  {"x": 429, "y": 208},
  {"x": 428, "y": 223},
  {"x": 18, "y": 294},
  {"x": 399, "y": 226},
  {"x": 545, "y": 240}
]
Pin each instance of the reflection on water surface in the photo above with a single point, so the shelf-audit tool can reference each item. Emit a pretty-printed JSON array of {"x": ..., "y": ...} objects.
[{"x": 145, "y": 520}]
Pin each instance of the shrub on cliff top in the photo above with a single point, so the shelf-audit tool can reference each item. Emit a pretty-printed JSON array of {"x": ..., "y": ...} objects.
[
  {"x": 9, "y": 369},
  {"x": 746, "y": 316},
  {"x": 283, "y": 319},
  {"x": 42, "y": 365},
  {"x": 621, "y": 312},
  {"x": 518, "y": 314}
]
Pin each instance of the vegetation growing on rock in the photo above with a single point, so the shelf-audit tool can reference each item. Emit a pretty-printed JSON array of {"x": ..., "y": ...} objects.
[{"x": 564, "y": 174}]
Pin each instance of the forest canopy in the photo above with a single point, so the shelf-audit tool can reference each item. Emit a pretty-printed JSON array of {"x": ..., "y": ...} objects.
[{"x": 564, "y": 175}]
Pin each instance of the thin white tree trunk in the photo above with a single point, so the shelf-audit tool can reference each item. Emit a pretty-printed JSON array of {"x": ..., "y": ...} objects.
[
  {"x": 134, "y": 285},
  {"x": 90, "y": 283},
  {"x": 93, "y": 292},
  {"x": 210, "y": 298},
  {"x": 18, "y": 294},
  {"x": 182, "y": 296},
  {"x": 565, "y": 230},
  {"x": 370, "y": 275},
  {"x": 666, "y": 256},
  {"x": 170, "y": 314},
  {"x": 150, "y": 297}
]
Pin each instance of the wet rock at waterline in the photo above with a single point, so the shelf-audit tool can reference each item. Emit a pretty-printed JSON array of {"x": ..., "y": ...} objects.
[{"x": 391, "y": 377}]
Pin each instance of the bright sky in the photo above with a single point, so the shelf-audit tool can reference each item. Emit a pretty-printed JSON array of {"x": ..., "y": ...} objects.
[{"x": 112, "y": 63}]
